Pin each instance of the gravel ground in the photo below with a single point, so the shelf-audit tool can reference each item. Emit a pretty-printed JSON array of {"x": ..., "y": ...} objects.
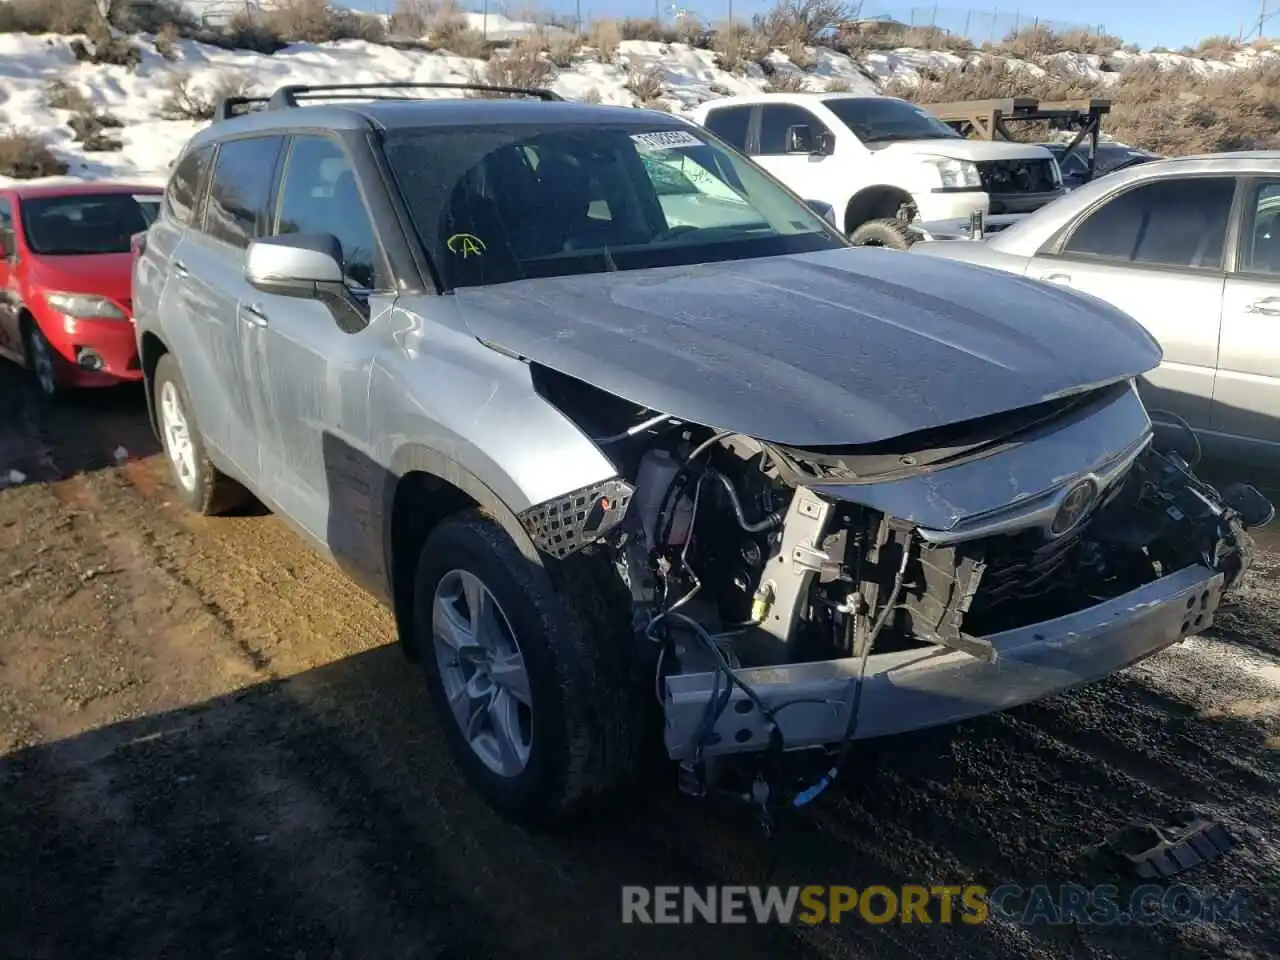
[{"x": 210, "y": 747}]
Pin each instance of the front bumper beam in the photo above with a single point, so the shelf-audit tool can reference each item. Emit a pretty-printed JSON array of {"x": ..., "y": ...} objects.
[{"x": 926, "y": 687}]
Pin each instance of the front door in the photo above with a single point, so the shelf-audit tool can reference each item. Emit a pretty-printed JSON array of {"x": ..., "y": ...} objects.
[
  {"x": 1156, "y": 252},
  {"x": 10, "y": 339},
  {"x": 1246, "y": 392},
  {"x": 808, "y": 175},
  {"x": 314, "y": 358}
]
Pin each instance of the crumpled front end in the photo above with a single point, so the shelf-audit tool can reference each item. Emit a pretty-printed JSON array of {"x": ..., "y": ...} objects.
[{"x": 795, "y": 600}]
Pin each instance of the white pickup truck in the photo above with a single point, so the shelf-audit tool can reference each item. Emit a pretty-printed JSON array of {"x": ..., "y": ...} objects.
[{"x": 881, "y": 162}]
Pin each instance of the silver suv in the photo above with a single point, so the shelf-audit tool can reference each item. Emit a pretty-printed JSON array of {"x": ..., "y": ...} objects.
[{"x": 624, "y": 432}]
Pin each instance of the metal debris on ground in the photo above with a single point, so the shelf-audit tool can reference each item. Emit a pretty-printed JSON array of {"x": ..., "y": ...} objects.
[{"x": 1157, "y": 851}]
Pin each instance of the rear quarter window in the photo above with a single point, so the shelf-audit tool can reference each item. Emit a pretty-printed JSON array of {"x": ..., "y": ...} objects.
[{"x": 186, "y": 184}]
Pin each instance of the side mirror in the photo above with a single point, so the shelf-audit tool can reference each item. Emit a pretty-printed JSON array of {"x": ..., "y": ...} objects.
[
  {"x": 6, "y": 246},
  {"x": 799, "y": 139},
  {"x": 296, "y": 264},
  {"x": 826, "y": 143},
  {"x": 822, "y": 209}
]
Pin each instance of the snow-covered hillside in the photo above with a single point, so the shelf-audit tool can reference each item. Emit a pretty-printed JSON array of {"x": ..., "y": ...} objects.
[{"x": 148, "y": 144}]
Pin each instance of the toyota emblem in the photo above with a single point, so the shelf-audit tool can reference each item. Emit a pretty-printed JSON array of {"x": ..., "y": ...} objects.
[{"x": 1075, "y": 507}]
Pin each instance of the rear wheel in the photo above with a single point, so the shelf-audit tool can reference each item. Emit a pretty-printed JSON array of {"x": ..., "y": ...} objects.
[
  {"x": 537, "y": 700},
  {"x": 199, "y": 484},
  {"x": 893, "y": 234}
]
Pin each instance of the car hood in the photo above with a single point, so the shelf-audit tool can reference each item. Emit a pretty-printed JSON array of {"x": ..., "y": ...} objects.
[
  {"x": 962, "y": 149},
  {"x": 105, "y": 274},
  {"x": 847, "y": 346}
]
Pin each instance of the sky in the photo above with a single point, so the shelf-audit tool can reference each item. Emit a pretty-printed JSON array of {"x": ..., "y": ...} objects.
[
  {"x": 1169, "y": 23},
  {"x": 1148, "y": 23}
]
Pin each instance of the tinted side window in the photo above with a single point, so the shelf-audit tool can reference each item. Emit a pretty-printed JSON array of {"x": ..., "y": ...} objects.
[
  {"x": 1175, "y": 223},
  {"x": 8, "y": 245},
  {"x": 237, "y": 208},
  {"x": 1260, "y": 246},
  {"x": 730, "y": 125},
  {"x": 184, "y": 185},
  {"x": 775, "y": 118},
  {"x": 319, "y": 195}
]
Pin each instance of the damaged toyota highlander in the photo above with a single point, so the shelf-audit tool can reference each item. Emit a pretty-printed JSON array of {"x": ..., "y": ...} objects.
[{"x": 634, "y": 444}]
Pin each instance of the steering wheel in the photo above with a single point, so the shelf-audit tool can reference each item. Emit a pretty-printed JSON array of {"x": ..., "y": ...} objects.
[{"x": 672, "y": 232}]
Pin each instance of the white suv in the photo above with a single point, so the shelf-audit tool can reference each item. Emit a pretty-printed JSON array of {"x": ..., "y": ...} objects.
[{"x": 880, "y": 160}]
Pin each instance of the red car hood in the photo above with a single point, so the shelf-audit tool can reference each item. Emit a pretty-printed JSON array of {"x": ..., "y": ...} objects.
[{"x": 105, "y": 274}]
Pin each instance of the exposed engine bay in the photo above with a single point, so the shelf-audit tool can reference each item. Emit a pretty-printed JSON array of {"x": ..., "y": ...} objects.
[{"x": 766, "y": 582}]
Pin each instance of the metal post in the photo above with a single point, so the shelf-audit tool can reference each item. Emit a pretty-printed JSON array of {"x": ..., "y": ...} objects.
[
  {"x": 994, "y": 14},
  {"x": 484, "y": 29},
  {"x": 968, "y": 14}
]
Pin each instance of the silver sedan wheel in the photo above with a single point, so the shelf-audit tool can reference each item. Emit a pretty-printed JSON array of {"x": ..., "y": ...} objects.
[
  {"x": 177, "y": 437},
  {"x": 42, "y": 362},
  {"x": 483, "y": 672}
]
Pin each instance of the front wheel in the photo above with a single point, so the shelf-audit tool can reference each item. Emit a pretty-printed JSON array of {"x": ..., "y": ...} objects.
[
  {"x": 43, "y": 362},
  {"x": 536, "y": 704},
  {"x": 894, "y": 234}
]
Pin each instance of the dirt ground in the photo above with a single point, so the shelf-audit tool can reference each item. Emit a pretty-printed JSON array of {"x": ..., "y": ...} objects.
[{"x": 210, "y": 747}]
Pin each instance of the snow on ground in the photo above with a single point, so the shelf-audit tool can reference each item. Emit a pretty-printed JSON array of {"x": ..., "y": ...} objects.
[{"x": 29, "y": 63}]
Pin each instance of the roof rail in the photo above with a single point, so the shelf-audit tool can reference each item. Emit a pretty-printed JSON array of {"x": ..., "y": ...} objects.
[
  {"x": 287, "y": 97},
  {"x": 229, "y": 107}
]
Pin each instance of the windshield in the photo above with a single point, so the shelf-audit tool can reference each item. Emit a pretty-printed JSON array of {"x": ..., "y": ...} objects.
[
  {"x": 495, "y": 204},
  {"x": 82, "y": 224},
  {"x": 884, "y": 119}
]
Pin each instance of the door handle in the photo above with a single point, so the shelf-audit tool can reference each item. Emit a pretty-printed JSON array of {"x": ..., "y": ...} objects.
[
  {"x": 180, "y": 269},
  {"x": 1267, "y": 306},
  {"x": 1056, "y": 277},
  {"x": 253, "y": 315}
]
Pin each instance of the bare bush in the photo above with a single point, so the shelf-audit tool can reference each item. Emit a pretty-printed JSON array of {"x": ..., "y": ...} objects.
[
  {"x": 1086, "y": 41},
  {"x": 634, "y": 28},
  {"x": 802, "y": 21},
  {"x": 1027, "y": 43},
  {"x": 316, "y": 21},
  {"x": 785, "y": 83},
  {"x": 591, "y": 96},
  {"x": 106, "y": 49},
  {"x": 1216, "y": 48},
  {"x": 48, "y": 16},
  {"x": 604, "y": 36},
  {"x": 646, "y": 85},
  {"x": 562, "y": 47},
  {"x": 800, "y": 55},
  {"x": 521, "y": 67},
  {"x": 932, "y": 38},
  {"x": 25, "y": 156},
  {"x": 166, "y": 42},
  {"x": 838, "y": 86},
  {"x": 1173, "y": 112},
  {"x": 94, "y": 130},
  {"x": 60, "y": 95},
  {"x": 735, "y": 49},
  {"x": 182, "y": 102}
]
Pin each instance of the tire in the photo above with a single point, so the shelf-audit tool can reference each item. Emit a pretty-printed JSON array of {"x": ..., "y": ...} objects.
[
  {"x": 883, "y": 233},
  {"x": 43, "y": 361},
  {"x": 579, "y": 737},
  {"x": 199, "y": 485}
]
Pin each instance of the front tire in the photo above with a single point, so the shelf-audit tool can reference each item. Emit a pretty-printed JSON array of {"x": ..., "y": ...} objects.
[
  {"x": 893, "y": 234},
  {"x": 198, "y": 483},
  {"x": 43, "y": 361},
  {"x": 535, "y": 695}
]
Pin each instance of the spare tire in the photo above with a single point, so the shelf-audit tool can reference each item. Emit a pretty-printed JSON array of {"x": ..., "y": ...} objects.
[{"x": 893, "y": 234}]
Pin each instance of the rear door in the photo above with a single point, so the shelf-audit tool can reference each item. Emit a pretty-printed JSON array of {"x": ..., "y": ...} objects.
[
  {"x": 1246, "y": 393},
  {"x": 208, "y": 267},
  {"x": 1156, "y": 251},
  {"x": 311, "y": 358}
]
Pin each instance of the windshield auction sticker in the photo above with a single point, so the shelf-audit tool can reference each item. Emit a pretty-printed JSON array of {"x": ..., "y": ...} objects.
[{"x": 666, "y": 139}]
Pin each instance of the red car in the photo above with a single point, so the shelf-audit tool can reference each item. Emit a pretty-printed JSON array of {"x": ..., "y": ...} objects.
[{"x": 66, "y": 265}]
